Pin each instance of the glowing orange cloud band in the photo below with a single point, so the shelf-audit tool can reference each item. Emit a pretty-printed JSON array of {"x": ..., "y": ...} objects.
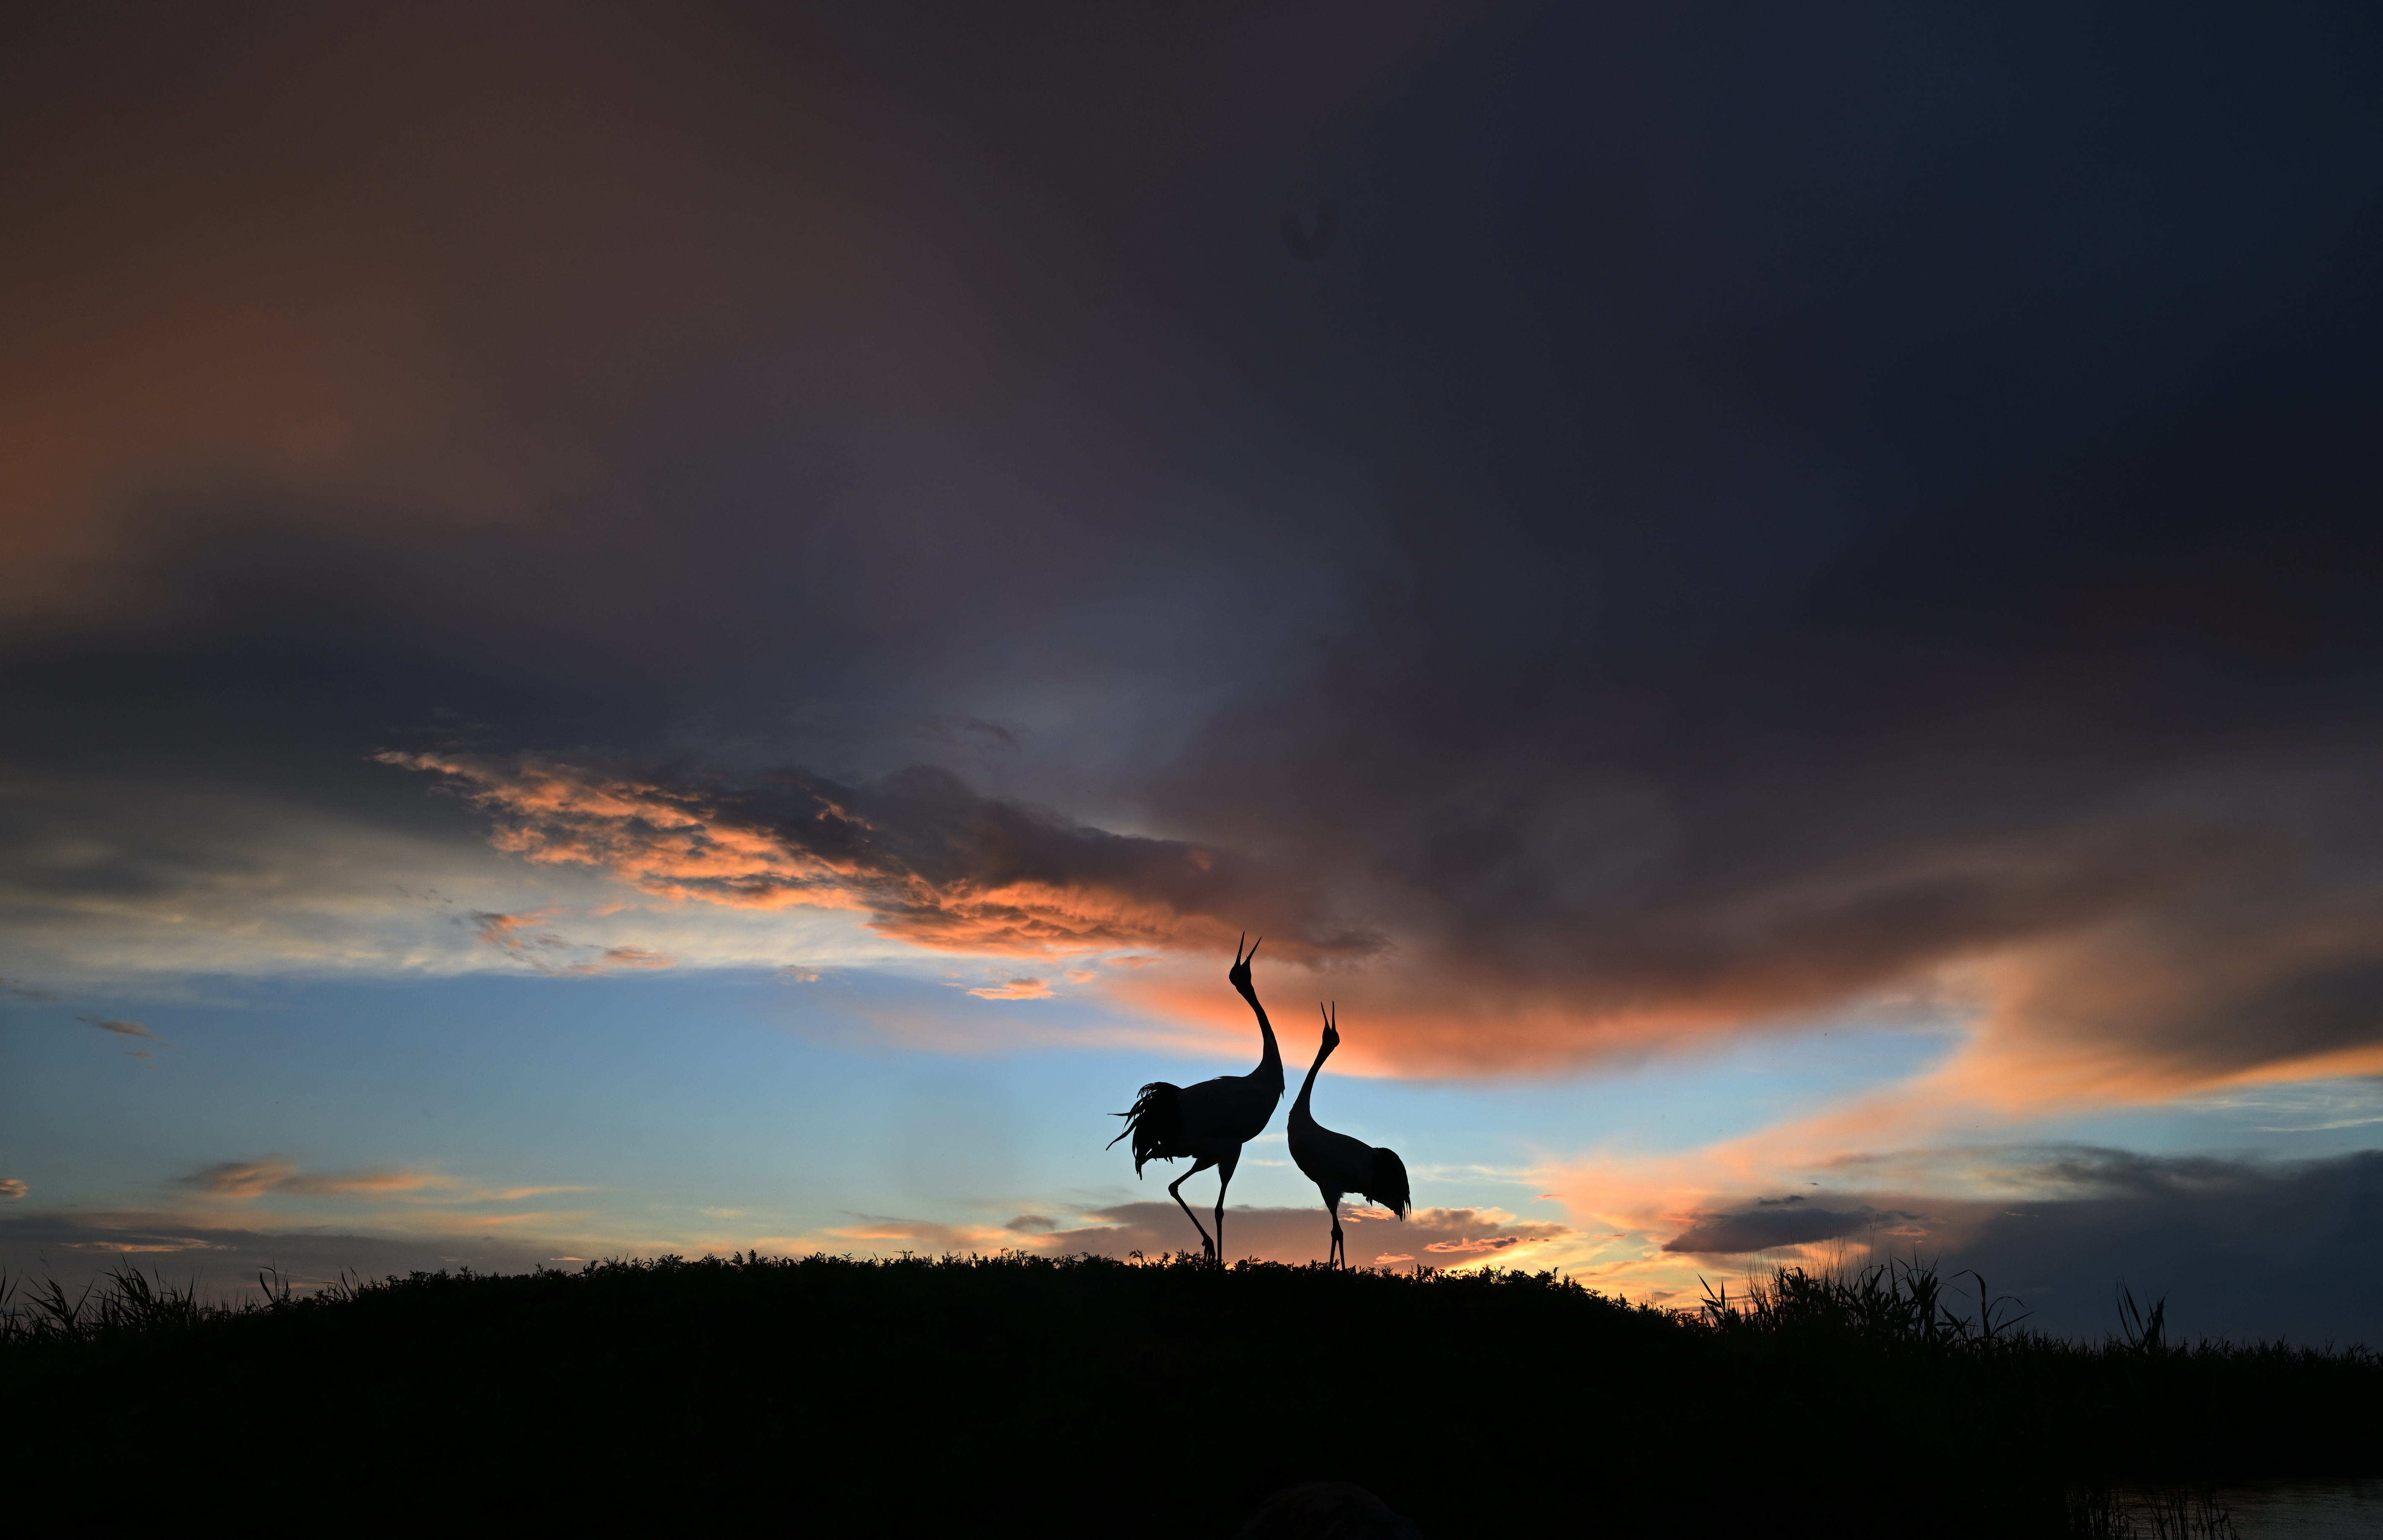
[{"x": 930, "y": 861}]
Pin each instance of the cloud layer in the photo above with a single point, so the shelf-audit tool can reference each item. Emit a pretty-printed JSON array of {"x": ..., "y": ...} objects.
[
  {"x": 931, "y": 862},
  {"x": 2156, "y": 947},
  {"x": 1682, "y": 559}
]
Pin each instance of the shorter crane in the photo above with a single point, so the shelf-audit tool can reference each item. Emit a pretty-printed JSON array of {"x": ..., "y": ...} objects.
[{"x": 1336, "y": 1164}]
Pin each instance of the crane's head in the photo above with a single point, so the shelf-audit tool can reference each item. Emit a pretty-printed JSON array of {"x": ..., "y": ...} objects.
[
  {"x": 1239, "y": 976},
  {"x": 1331, "y": 1026}
]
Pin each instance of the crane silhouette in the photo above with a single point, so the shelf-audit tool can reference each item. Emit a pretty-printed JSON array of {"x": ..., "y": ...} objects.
[
  {"x": 1209, "y": 1122},
  {"x": 1336, "y": 1164}
]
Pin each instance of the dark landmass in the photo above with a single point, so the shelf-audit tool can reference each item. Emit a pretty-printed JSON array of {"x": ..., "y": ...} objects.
[{"x": 1033, "y": 1396}]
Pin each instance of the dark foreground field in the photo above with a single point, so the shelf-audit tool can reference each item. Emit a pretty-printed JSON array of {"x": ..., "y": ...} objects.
[{"x": 1079, "y": 1397}]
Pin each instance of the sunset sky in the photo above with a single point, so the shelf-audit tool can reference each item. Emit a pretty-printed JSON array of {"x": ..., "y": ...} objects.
[{"x": 676, "y": 628}]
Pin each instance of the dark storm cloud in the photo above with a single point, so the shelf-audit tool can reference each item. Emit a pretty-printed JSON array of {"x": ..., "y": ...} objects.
[
  {"x": 2239, "y": 1247},
  {"x": 1744, "y": 510},
  {"x": 1786, "y": 1222}
]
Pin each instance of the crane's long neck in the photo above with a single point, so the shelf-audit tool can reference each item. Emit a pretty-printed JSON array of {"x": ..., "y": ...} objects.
[
  {"x": 1299, "y": 1110},
  {"x": 1269, "y": 1069}
]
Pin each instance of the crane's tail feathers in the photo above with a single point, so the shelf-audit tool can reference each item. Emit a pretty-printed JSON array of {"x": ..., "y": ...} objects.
[
  {"x": 1156, "y": 1121},
  {"x": 1390, "y": 1185}
]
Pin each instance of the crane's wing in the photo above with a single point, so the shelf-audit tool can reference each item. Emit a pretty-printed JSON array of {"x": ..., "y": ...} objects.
[{"x": 1388, "y": 1187}]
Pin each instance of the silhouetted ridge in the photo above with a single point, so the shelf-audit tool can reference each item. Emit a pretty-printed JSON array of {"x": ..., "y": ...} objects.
[
  {"x": 1326, "y": 1510},
  {"x": 922, "y": 1395}
]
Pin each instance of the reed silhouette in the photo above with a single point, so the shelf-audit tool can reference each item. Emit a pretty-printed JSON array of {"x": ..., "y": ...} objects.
[
  {"x": 1336, "y": 1164},
  {"x": 1209, "y": 1123}
]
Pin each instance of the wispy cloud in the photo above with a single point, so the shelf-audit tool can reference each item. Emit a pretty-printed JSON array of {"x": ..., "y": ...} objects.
[
  {"x": 16, "y": 990},
  {"x": 246, "y": 1180},
  {"x": 1015, "y": 988},
  {"x": 511, "y": 932},
  {"x": 120, "y": 1028},
  {"x": 240, "y": 1178},
  {"x": 528, "y": 938},
  {"x": 11, "y": 1187},
  {"x": 371, "y": 1184}
]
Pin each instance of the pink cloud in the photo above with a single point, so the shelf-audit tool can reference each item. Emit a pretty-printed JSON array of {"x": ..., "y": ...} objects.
[
  {"x": 1445, "y": 1237},
  {"x": 119, "y": 1027},
  {"x": 2112, "y": 957},
  {"x": 635, "y": 957},
  {"x": 550, "y": 951},
  {"x": 1016, "y": 989},
  {"x": 241, "y": 1178}
]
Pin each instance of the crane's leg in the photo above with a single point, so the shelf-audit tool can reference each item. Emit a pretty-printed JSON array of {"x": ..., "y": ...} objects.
[
  {"x": 1332, "y": 1209},
  {"x": 1224, "y": 1179},
  {"x": 1173, "y": 1191}
]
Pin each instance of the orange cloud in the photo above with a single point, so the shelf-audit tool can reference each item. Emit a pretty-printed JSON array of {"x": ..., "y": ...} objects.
[
  {"x": 255, "y": 1178},
  {"x": 120, "y": 1029},
  {"x": 241, "y": 1178},
  {"x": 1454, "y": 1239},
  {"x": 511, "y": 932},
  {"x": 548, "y": 951},
  {"x": 931, "y": 862},
  {"x": 1016, "y": 989},
  {"x": 923, "y": 1235},
  {"x": 2146, "y": 954},
  {"x": 363, "y": 1183},
  {"x": 633, "y": 958}
]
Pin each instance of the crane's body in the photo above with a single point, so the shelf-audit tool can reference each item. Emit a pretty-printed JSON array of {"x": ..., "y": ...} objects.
[
  {"x": 1338, "y": 1165},
  {"x": 1209, "y": 1123}
]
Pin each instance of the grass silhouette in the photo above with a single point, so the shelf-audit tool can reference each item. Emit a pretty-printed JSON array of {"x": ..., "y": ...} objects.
[{"x": 1025, "y": 1393}]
